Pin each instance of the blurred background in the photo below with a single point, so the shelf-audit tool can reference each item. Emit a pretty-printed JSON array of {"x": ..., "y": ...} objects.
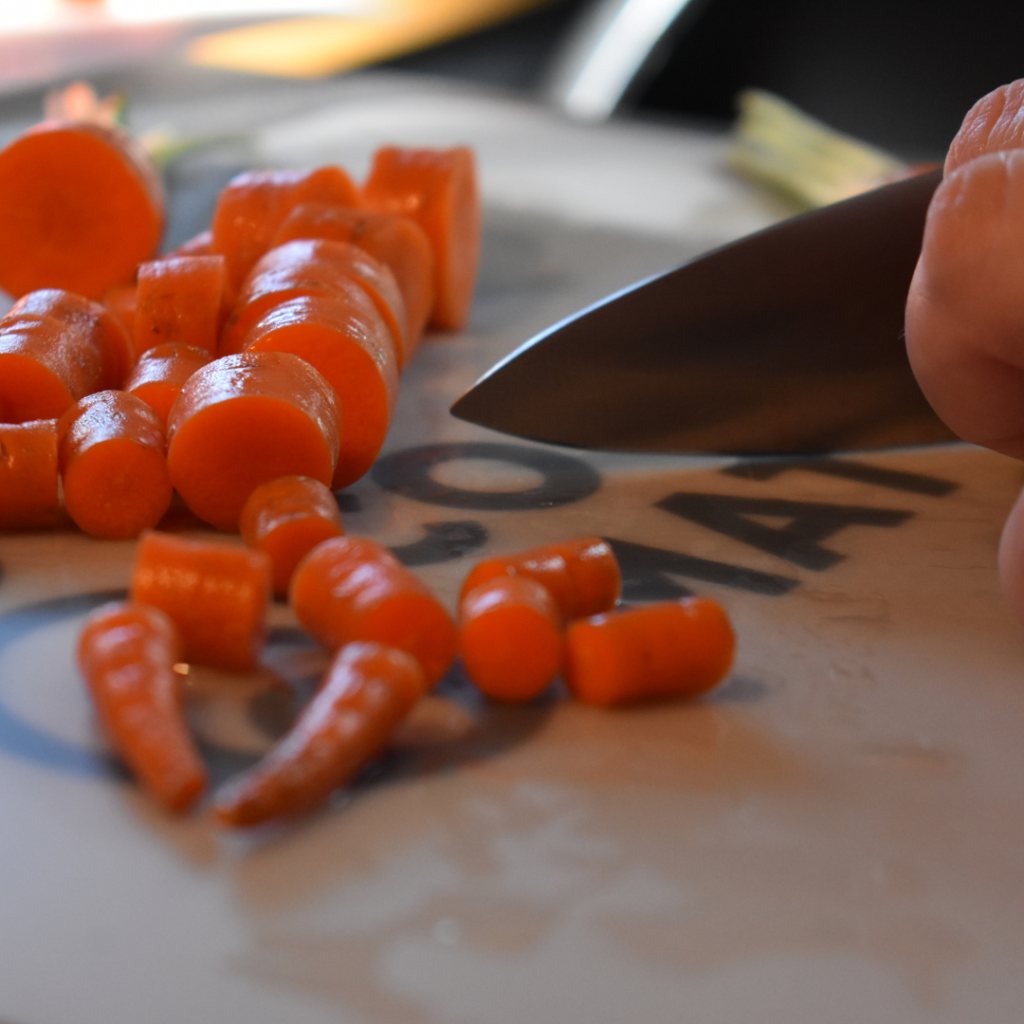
[{"x": 896, "y": 73}]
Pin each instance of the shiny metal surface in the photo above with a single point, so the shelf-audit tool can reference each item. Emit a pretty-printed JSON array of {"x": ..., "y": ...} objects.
[{"x": 789, "y": 340}]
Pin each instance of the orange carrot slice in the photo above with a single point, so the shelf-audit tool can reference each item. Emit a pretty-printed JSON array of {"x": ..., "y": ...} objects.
[
  {"x": 342, "y": 336},
  {"x": 121, "y": 300},
  {"x": 314, "y": 267},
  {"x": 200, "y": 244},
  {"x": 670, "y": 649},
  {"x": 437, "y": 188},
  {"x": 285, "y": 519},
  {"x": 251, "y": 207},
  {"x": 245, "y": 419},
  {"x": 81, "y": 205},
  {"x": 127, "y": 653},
  {"x": 111, "y": 449},
  {"x": 397, "y": 242},
  {"x": 351, "y": 588},
  {"x": 367, "y": 691},
  {"x": 29, "y": 482},
  {"x": 161, "y": 373},
  {"x": 180, "y": 298},
  {"x": 510, "y": 637},
  {"x": 582, "y": 574},
  {"x": 216, "y": 594}
]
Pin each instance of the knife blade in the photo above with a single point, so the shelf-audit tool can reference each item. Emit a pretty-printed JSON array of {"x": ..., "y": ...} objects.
[{"x": 787, "y": 341}]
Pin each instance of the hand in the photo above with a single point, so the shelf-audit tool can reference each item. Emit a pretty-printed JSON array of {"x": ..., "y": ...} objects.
[{"x": 965, "y": 311}]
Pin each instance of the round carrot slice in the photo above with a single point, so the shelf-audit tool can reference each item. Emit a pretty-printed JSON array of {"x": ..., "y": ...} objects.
[
  {"x": 29, "y": 481},
  {"x": 243, "y": 420},
  {"x": 161, "y": 373},
  {"x": 342, "y": 336},
  {"x": 180, "y": 298},
  {"x": 81, "y": 205}
]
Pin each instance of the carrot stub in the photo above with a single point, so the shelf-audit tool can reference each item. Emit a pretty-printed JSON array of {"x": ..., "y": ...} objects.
[
  {"x": 670, "y": 649},
  {"x": 351, "y": 588},
  {"x": 243, "y": 420},
  {"x": 286, "y": 519},
  {"x": 437, "y": 188},
  {"x": 161, "y": 373},
  {"x": 113, "y": 465},
  {"x": 180, "y": 298},
  {"x": 127, "y": 653},
  {"x": 510, "y": 637},
  {"x": 582, "y": 574},
  {"x": 81, "y": 205},
  {"x": 367, "y": 691},
  {"x": 29, "y": 482},
  {"x": 216, "y": 594},
  {"x": 342, "y": 337}
]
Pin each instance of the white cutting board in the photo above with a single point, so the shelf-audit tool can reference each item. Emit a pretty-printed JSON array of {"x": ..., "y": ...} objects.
[{"x": 835, "y": 835}]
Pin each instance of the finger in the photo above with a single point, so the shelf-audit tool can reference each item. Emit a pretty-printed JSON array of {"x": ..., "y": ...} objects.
[
  {"x": 965, "y": 310},
  {"x": 994, "y": 123},
  {"x": 1011, "y": 558}
]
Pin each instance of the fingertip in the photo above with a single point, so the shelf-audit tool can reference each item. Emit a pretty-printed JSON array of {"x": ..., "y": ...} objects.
[{"x": 994, "y": 123}]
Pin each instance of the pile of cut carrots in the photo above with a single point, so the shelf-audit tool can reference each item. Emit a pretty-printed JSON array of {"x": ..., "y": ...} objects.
[{"x": 251, "y": 372}]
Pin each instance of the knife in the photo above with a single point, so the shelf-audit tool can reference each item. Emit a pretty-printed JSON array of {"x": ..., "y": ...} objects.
[{"x": 787, "y": 341}]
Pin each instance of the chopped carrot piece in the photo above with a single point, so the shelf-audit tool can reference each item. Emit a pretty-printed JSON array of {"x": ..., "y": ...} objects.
[
  {"x": 245, "y": 419},
  {"x": 309, "y": 267},
  {"x": 127, "y": 653},
  {"x": 216, "y": 594},
  {"x": 252, "y": 205},
  {"x": 398, "y": 242},
  {"x": 180, "y": 298},
  {"x": 510, "y": 637},
  {"x": 670, "y": 649},
  {"x": 81, "y": 205},
  {"x": 437, "y": 188},
  {"x": 367, "y": 691},
  {"x": 121, "y": 300},
  {"x": 582, "y": 574},
  {"x": 161, "y": 373},
  {"x": 111, "y": 451},
  {"x": 29, "y": 482},
  {"x": 285, "y": 519},
  {"x": 86, "y": 320},
  {"x": 351, "y": 588},
  {"x": 342, "y": 336}
]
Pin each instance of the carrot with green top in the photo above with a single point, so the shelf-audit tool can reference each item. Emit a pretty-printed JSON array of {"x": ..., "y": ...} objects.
[
  {"x": 314, "y": 267},
  {"x": 285, "y": 519},
  {"x": 81, "y": 205},
  {"x": 216, "y": 593},
  {"x": 245, "y": 419},
  {"x": 162, "y": 372},
  {"x": 127, "y": 654},
  {"x": 344, "y": 339},
  {"x": 510, "y": 637},
  {"x": 29, "y": 480},
  {"x": 351, "y": 588},
  {"x": 582, "y": 574},
  {"x": 666, "y": 650},
  {"x": 398, "y": 242},
  {"x": 437, "y": 188},
  {"x": 366, "y": 692},
  {"x": 112, "y": 456}
]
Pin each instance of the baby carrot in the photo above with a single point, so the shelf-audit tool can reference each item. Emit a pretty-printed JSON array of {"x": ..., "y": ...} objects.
[
  {"x": 350, "y": 588},
  {"x": 582, "y": 574},
  {"x": 245, "y": 419},
  {"x": 510, "y": 637},
  {"x": 29, "y": 483},
  {"x": 342, "y": 336},
  {"x": 215, "y": 593},
  {"x": 367, "y": 691},
  {"x": 81, "y": 205},
  {"x": 180, "y": 298},
  {"x": 161, "y": 373},
  {"x": 252, "y": 205},
  {"x": 111, "y": 451},
  {"x": 398, "y": 242},
  {"x": 285, "y": 519},
  {"x": 437, "y": 188},
  {"x": 670, "y": 649},
  {"x": 127, "y": 653},
  {"x": 314, "y": 267}
]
